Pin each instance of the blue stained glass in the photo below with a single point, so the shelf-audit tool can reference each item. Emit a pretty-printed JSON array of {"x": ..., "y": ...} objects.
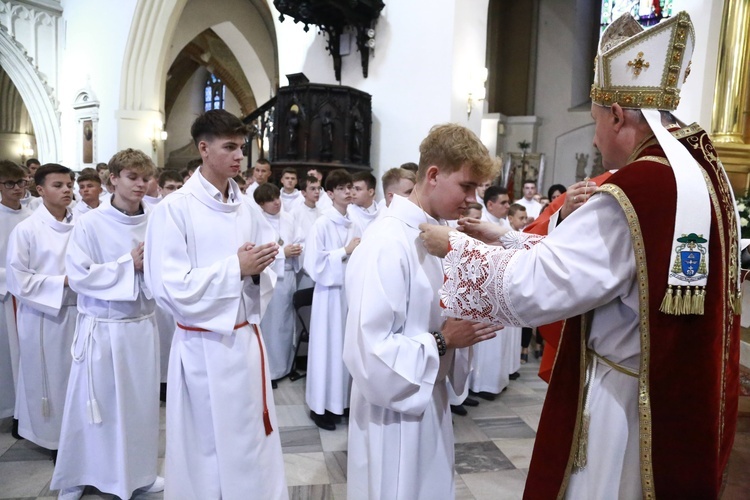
[{"x": 213, "y": 94}]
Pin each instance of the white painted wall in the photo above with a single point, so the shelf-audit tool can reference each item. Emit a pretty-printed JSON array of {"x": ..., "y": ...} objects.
[
  {"x": 553, "y": 91},
  {"x": 95, "y": 37},
  {"x": 697, "y": 95},
  {"x": 416, "y": 77}
]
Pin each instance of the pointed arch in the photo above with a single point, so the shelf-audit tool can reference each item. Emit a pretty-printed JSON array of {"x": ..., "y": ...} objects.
[{"x": 36, "y": 96}]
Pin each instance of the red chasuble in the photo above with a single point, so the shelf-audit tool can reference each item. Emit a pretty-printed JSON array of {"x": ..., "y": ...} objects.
[
  {"x": 551, "y": 333},
  {"x": 689, "y": 367}
]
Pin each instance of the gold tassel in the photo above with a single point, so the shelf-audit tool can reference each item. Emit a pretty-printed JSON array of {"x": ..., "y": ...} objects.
[
  {"x": 737, "y": 303},
  {"x": 677, "y": 304},
  {"x": 687, "y": 302},
  {"x": 667, "y": 303},
  {"x": 581, "y": 458}
]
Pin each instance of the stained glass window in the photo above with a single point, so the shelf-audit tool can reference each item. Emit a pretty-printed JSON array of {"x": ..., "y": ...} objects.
[
  {"x": 213, "y": 93},
  {"x": 646, "y": 12}
]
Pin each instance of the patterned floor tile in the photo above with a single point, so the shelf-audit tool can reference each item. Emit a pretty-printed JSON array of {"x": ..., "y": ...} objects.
[
  {"x": 300, "y": 439},
  {"x": 311, "y": 492},
  {"x": 501, "y": 485},
  {"x": 480, "y": 457},
  {"x": 505, "y": 428},
  {"x": 336, "y": 464},
  {"x": 24, "y": 451}
]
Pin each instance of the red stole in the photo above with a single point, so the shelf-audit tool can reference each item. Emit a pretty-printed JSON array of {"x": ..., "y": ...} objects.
[{"x": 689, "y": 364}]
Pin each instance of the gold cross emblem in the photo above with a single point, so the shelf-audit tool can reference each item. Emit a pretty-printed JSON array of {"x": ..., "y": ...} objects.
[{"x": 638, "y": 64}]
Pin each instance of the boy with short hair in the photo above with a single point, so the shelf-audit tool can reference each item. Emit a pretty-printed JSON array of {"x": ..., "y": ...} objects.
[
  {"x": 110, "y": 429},
  {"x": 473, "y": 210},
  {"x": 277, "y": 325},
  {"x": 331, "y": 241},
  {"x": 290, "y": 195},
  {"x": 399, "y": 348},
  {"x": 497, "y": 203},
  {"x": 304, "y": 215},
  {"x": 363, "y": 209},
  {"x": 397, "y": 181},
  {"x": 13, "y": 184},
  {"x": 169, "y": 182},
  {"x": 152, "y": 196},
  {"x": 46, "y": 312},
  {"x": 207, "y": 250},
  {"x": 517, "y": 217},
  {"x": 90, "y": 190}
]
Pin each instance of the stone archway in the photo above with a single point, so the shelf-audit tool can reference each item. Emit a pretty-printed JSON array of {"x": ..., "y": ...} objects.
[
  {"x": 145, "y": 65},
  {"x": 36, "y": 96}
]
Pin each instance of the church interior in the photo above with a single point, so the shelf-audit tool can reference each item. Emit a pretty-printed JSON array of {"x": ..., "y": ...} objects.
[{"x": 83, "y": 79}]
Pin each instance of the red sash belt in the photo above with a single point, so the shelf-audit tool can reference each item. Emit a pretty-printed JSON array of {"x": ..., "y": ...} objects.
[{"x": 266, "y": 415}]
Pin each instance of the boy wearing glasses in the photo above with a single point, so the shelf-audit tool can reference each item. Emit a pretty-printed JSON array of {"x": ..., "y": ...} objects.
[
  {"x": 13, "y": 188},
  {"x": 331, "y": 241}
]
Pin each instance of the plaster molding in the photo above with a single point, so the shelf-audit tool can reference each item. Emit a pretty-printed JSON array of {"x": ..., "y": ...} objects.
[{"x": 36, "y": 93}]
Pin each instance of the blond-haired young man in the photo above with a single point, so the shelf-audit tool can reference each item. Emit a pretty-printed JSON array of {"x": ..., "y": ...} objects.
[{"x": 399, "y": 350}]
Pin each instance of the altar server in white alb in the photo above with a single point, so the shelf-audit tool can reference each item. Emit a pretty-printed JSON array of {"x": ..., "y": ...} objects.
[
  {"x": 278, "y": 322},
  {"x": 304, "y": 216},
  {"x": 206, "y": 258},
  {"x": 110, "y": 431},
  {"x": 290, "y": 195},
  {"x": 400, "y": 351},
  {"x": 47, "y": 307},
  {"x": 330, "y": 243},
  {"x": 13, "y": 188},
  {"x": 363, "y": 210}
]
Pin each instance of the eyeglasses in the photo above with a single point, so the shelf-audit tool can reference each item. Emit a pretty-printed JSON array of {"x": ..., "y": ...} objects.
[{"x": 11, "y": 184}]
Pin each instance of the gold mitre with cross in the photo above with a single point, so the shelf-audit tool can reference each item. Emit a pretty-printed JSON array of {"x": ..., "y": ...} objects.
[{"x": 643, "y": 68}]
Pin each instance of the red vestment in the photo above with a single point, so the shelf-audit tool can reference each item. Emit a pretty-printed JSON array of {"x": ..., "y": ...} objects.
[{"x": 689, "y": 366}]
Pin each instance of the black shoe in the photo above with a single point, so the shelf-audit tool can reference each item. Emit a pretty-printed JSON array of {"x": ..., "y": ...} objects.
[
  {"x": 514, "y": 376},
  {"x": 537, "y": 354},
  {"x": 470, "y": 402},
  {"x": 274, "y": 384},
  {"x": 485, "y": 395},
  {"x": 14, "y": 430},
  {"x": 163, "y": 392},
  {"x": 53, "y": 456},
  {"x": 333, "y": 417},
  {"x": 459, "y": 410},
  {"x": 524, "y": 358},
  {"x": 323, "y": 421},
  {"x": 346, "y": 412}
]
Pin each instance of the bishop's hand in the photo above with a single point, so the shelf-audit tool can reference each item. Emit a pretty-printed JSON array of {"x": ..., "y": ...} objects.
[
  {"x": 484, "y": 231},
  {"x": 435, "y": 238}
]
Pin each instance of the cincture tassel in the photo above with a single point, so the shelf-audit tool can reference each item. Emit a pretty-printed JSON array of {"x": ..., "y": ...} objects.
[{"x": 679, "y": 300}]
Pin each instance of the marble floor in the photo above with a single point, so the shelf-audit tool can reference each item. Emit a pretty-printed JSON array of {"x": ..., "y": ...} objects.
[{"x": 493, "y": 448}]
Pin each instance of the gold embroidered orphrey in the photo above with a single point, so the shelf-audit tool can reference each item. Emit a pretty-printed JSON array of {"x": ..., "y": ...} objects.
[{"x": 638, "y": 64}]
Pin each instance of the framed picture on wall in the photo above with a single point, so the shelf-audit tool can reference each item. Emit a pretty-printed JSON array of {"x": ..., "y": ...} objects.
[{"x": 88, "y": 141}]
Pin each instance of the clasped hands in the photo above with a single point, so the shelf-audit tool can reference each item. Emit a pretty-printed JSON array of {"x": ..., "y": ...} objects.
[{"x": 255, "y": 258}]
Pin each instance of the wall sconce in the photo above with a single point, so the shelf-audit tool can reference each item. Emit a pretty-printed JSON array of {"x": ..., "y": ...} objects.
[
  {"x": 25, "y": 151},
  {"x": 477, "y": 92},
  {"x": 156, "y": 134}
]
